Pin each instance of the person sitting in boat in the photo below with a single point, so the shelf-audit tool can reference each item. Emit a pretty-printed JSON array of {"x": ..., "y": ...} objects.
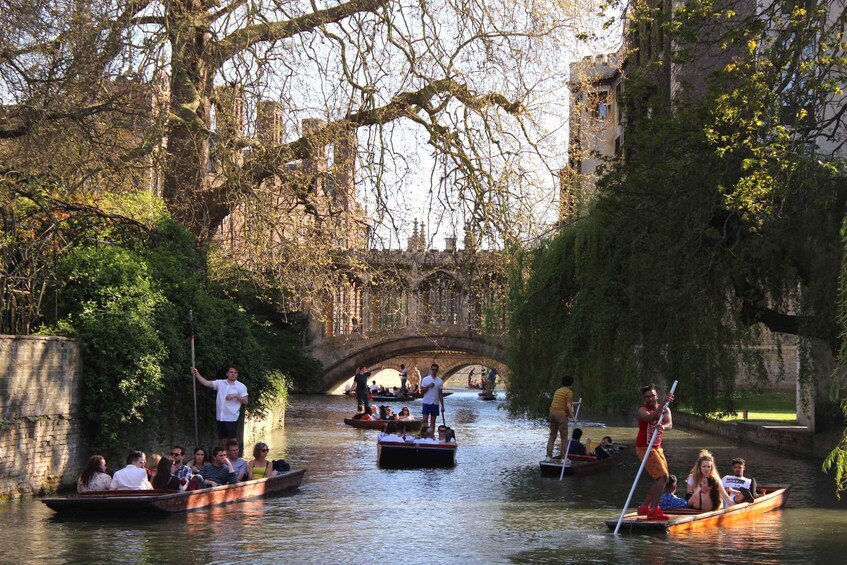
[
  {"x": 94, "y": 476},
  {"x": 669, "y": 499},
  {"x": 383, "y": 413},
  {"x": 400, "y": 393},
  {"x": 183, "y": 471},
  {"x": 165, "y": 478},
  {"x": 200, "y": 458},
  {"x": 741, "y": 488},
  {"x": 374, "y": 413},
  {"x": 406, "y": 433},
  {"x": 606, "y": 449},
  {"x": 152, "y": 465},
  {"x": 405, "y": 415},
  {"x": 390, "y": 433},
  {"x": 576, "y": 447},
  {"x": 374, "y": 388},
  {"x": 426, "y": 436},
  {"x": 219, "y": 471},
  {"x": 705, "y": 496},
  {"x": 260, "y": 467},
  {"x": 705, "y": 467},
  {"x": 238, "y": 463},
  {"x": 133, "y": 476},
  {"x": 446, "y": 435}
]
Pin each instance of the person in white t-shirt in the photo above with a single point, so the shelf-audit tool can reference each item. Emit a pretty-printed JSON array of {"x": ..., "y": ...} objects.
[
  {"x": 433, "y": 395},
  {"x": 740, "y": 488},
  {"x": 232, "y": 395},
  {"x": 390, "y": 433},
  {"x": 133, "y": 476},
  {"x": 426, "y": 436}
]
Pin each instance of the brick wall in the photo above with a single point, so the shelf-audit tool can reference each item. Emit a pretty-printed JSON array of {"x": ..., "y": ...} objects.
[{"x": 41, "y": 444}]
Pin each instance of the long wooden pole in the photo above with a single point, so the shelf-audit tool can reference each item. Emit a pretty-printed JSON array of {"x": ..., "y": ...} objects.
[
  {"x": 643, "y": 461},
  {"x": 568, "y": 448},
  {"x": 193, "y": 378}
]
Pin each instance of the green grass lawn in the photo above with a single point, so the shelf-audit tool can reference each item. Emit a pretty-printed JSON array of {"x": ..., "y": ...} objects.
[{"x": 763, "y": 406}]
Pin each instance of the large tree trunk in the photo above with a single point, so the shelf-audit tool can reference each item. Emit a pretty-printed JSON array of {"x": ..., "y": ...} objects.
[{"x": 188, "y": 144}]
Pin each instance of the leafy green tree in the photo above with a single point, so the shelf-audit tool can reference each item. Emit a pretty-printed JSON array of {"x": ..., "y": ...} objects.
[{"x": 720, "y": 218}]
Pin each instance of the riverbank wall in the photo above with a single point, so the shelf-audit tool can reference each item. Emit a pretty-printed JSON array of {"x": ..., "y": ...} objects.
[
  {"x": 787, "y": 438},
  {"x": 41, "y": 441}
]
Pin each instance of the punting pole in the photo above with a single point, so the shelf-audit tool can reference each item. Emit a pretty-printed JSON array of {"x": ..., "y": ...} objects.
[
  {"x": 193, "y": 378},
  {"x": 643, "y": 461},
  {"x": 568, "y": 447}
]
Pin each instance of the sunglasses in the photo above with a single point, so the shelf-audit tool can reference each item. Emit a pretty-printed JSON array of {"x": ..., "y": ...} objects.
[
  {"x": 176, "y": 454},
  {"x": 264, "y": 449}
]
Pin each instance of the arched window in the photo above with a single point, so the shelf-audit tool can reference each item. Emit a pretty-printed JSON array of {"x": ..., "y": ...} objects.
[
  {"x": 439, "y": 297},
  {"x": 346, "y": 314},
  {"x": 389, "y": 304}
]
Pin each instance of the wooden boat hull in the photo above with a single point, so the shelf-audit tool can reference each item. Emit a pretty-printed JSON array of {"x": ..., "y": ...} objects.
[
  {"x": 170, "y": 502},
  {"x": 690, "y": 520},
  {"x": 420, "y": 394},
  {"x": 394, "y": 399},
  {"x": 582, "y": 464},
  {"x": 394, "y": 455},
  {"x": 379, "y": 424}
]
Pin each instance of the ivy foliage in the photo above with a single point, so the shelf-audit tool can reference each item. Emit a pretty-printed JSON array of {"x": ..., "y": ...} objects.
[{"x": 717, "y": 215}]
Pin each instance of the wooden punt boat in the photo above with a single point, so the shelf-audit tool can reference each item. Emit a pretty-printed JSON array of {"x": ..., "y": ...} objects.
[
  {"x": 582, "y": 464},
  {"x": 409, "y": 455},
  {"x": 445, "y": 394},
  {"x": 683, "y": 520},
  {"x": 398, "y": 399},
  {"x": 487, "y": 396},
  {"x": 389, "y": 398},
  {"x": 134, "y": 502},
  {"x": 414, "y": 425}
]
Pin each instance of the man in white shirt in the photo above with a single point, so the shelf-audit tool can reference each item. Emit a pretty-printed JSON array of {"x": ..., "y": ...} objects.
[
  {"x": 426, "y": 437},
  {"x": 433, "y": 388},
  {"x": 133, "y": 476},
  {"x": 232, "y": 395},
  {"x": 404, "y": 377},
  {"x": 741, "y": 488},
  {"x": 390, "y": 433}
]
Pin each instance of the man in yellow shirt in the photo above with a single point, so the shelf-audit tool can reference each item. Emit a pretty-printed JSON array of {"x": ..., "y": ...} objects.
[{"x": 560, "y": 410}]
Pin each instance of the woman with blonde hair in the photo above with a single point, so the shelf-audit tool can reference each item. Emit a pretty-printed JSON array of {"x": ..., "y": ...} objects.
[{"x": 705, "y": 467}]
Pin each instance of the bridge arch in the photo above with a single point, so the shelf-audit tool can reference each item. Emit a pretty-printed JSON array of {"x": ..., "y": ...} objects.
[{"x": 480, "y": 350}]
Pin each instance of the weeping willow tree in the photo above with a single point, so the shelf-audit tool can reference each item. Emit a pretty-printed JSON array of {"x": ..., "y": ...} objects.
[{"x": 719, "y": 221}]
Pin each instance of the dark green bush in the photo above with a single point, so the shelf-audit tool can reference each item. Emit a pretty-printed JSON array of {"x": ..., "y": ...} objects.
[{"x": 128, "y": 304}]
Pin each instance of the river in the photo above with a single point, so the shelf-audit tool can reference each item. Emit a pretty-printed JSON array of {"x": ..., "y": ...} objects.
[{"x": 493, "y": 507}]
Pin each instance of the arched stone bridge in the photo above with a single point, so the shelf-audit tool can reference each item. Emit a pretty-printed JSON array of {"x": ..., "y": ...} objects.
[
  {"x": 413, "y": 306},
  {"x": 452, "y": 348}
]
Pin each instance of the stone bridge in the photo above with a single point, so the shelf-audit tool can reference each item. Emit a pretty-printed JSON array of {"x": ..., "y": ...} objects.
[
  {"x": 452, "y": 348},
  {"x": 412, "y": 307}
]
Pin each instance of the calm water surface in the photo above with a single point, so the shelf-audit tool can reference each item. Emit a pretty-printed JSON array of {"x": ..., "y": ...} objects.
[{"x": 493, "y": 507}]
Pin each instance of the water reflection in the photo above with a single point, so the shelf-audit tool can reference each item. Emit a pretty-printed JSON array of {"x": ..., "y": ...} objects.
[{"x": 493, "y": 507}]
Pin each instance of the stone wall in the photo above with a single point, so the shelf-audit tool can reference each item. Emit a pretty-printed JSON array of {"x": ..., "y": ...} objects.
[
  {"x": 786, "y": 438},
  {"x": 41, "y": 443}
]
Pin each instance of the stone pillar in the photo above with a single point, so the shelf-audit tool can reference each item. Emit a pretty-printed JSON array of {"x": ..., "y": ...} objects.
[{"x": 815, "y": 369}]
